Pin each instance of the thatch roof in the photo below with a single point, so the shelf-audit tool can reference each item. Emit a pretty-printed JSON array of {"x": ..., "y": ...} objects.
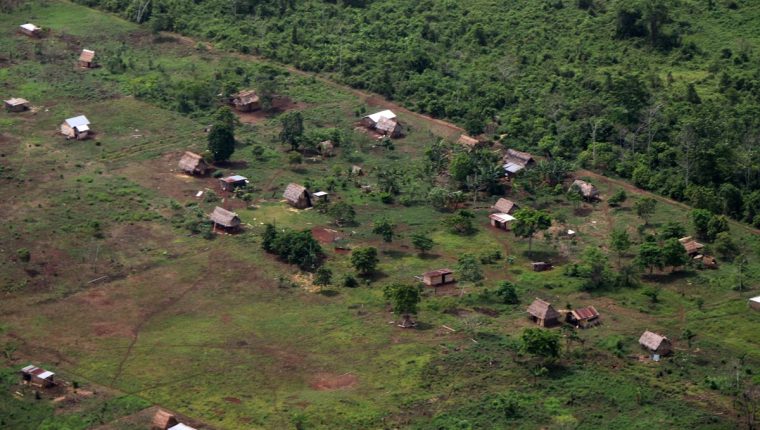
[
  {"x": 387, "y": 125},
  {"x": 164, "y": 420},
  {"x": 438, "y": 272},
  {"x": 224, "y": 217},
  {"x": 468, "y": 141},
  {"x": 652, "y": 341},
  {"x": 542, "y": 310},
  {"x": 357, "y": 170},
  {"x": 586, "y": 313},
  {"x": 326, "y": 147},
  {"x": 87, "y": 56},
  {"x": 690, "y": 245},
  {"x": 191, "y": 161},
  {"x": 505, "y": 206},
  {"x": 518, "y": 157},
  {"x": 245, "y": 97},
  {"x": 294, "y": 192},
  {"x": 587, "y": 190},
  {"x": 16, "y": 101}
]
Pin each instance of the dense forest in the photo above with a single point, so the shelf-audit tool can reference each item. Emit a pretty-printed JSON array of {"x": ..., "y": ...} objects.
[{"x": 665, "y": 93}]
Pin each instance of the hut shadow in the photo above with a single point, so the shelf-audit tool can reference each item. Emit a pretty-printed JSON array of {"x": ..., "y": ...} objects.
[
  {"x": 329, "y": 293},
  {"x": 395, "y": 254},
  {"x": 583, "y": 211},
  {"x": 547, "y": 256},
  {"x": 239, "y": 164},
  {"x": 376, "y": 276},
  {"x": 427, "y": 256},
  {"x": 423, "y": 326}
]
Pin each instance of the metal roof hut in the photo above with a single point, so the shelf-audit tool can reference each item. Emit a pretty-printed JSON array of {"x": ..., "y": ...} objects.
[
  {"x": 692, "y": 247},
  {"x": 754, "y": 303},
  {"x": 181, "y": 426},
  {"x": 515, "y": 161},
  {"x": 193, "y": 164},
  {"x": 438, "y": 277},
  {"x": 37, "y": 377},
  {"x": 246, "y": 101},
  {"x": 584, "y": 317},
  {"x": 542, "y": 313},
  {"x": 225, "y": 219},
  {"x": 163, "y": 420},
  {"x": 588, "y": 191},
  {"x": 655, "y": 343},
  {"x": 326, "y": 148},
  {"x": 505, "y": 206},
  {"x": 77, "y": 127},
  {"x": 468, "y": 142},
  {"x": 229, "y": 183},
  {"x": 87, "y": 59},
  {"x": 297, "y": 196},
  {"x": 30, "y": 30},
  {"x": 389, "y": 127},
  {"x": 371, "y": 121},
  {"x": 16, "y": 104},
  {"x": 501, "y": 220}
]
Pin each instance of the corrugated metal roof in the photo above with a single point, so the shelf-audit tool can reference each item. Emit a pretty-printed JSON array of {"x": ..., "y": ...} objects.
[
  {"x": 755, "y": 299},
  {"x": 15, "y": 101},
  {"x": 375, "y": 117},
  {"x": 235, "y": 178},
  {"x": 181, "y": 426},
  {"x": 585, "y": 313},
  {"x": 320, "y": 194},
  {"x": 87, "y": 55},
  {"x": 513, "y": 167},
  {"x": 30, "y": 27},
  {"x": 501, "y": 217},
  {"x": 77, "y": 121}
]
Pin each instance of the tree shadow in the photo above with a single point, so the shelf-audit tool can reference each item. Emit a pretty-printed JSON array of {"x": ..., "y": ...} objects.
[
  {"x": 329, "y": 293},
  {"x": 583, "y": 211},
  {"x": 540, "y": 255},
  {"x": 423, "y": 326},
  {"x": 239, "y": 164},
  {"x": 668, "y": 277},
  {"x": 375, "y": 276},
  {"x": 395, "y": 254},
  {"x": 427, "y": 256}
]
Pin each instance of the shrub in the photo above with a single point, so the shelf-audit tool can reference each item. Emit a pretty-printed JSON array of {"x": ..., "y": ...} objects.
[{"x": 24, "y": 254}]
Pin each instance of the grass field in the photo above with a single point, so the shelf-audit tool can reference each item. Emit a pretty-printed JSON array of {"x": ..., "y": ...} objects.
[{"x": 120, "y": 298}]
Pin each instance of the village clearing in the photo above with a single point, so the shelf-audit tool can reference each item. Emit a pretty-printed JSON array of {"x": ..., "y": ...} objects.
[{"x": 120, "y": 298}]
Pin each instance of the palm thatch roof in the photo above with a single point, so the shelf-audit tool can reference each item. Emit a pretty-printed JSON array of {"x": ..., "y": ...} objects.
[
  {"x": 163, "y": 420},
  {"x": 468, "y": 141},
  {"x": 191, "y": 162},
  {"x": 587, "y": 190},
  {"x": 518, "y": 157},
  {"x": 652, "y": 341},
  {"x": 245, "y": 98},
  {"x": 505, "y": 206},
  {"x": 87, "y": 56},
  {"x": 225, "y": 218},
  {"x": 293, "y": 192},
  {"x": 542, "y": 310}
]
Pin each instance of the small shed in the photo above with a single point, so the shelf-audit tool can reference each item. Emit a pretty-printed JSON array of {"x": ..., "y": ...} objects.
[
  {"x": 77, "y": 127},
  {"x": 16, "y": 104},
  {"x": 357, "y": 170},
  {"x": 655, "y": 343},
  {"x": 87, "y": 59},
  {"x": 468, "y": 142},
  {"x": 229, "y": 183},
  {"x": 754, "y": 303},
  {"x": 37, "y": 377},
  {"x": 542, "y": 313},
  {"x": 501, "y": 221},
  {"x": 540, "y": 266},
  {"x": 370, "y": 121},
  {"x": 438, "y": 277},
  {"x": 246, "y": 101},
  {"x": 519, "y": 157},
  {"x": 326, "y": 148},
  {"x": 588, "y": 191},
  {"x": 708, "y": 261},
  {"x": 505, "y": 206},
  {"x": 320, "y": 196},
  {"x": 226, "y": 219},
  {"x": 584, "y": 317},
  {"x": 30, "y": 30},
  {"x": 297, "y": 196},
  {"x": 388, "y": 127},
  {"x": 692, "y": 247},
  {"x": 193, "y": 164},
  {"x": 163, "y": 420}
]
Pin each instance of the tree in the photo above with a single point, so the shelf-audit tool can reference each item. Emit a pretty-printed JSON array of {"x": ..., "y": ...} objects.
[
  {"x": 725, "y": 247},
  {"x": 650, "y": 256},
  {"x": 292, "y": 129},
  {"x": 422, "y": 243},
  {"x": 508, "y": 293},
  {"x": 404, "y": 299},
  {"x": 468, "y": 269},
  {"x": 672, "y": 230},
  {"x": 618, "y": 198},
  {"x": 620, "y": 242},
  {"x": 221, "y": 138},
  {"x": 323, "y": 276},
  {"x": 544, "y": 344},
  {"x": 645, "y": 208},
  {"x": 717, "y": 224},
  {"x": 689, "y": 335},
  {"x": 342, "y": 213},
  {"x": 298, "y": 247},
  {"x": 461, "y": 223},
  {"x": 270, "y": 234},
  {"x": 653, "y": 293},
  {"x": 384, "y": 228},
  {"x": 23, "y": 255},
  {"x": 673, "y": 254},
  {"x": 461, "y": 166},
  {"x": 528, "y": 222},
  {"x": 700, "y": 218},
  {"x": 364, "y": 260}
]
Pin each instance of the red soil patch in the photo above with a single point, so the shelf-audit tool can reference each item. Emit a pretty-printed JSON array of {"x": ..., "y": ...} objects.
[
  {"x": 108, "y": 329},
  {"x": 279, "y": 105},
  {"x": 325, "y": 235},
  {"x": 232, "y": 400},
  {"x": 328, "y": 382}
]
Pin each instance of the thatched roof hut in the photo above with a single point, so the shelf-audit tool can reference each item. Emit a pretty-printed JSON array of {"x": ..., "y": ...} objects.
[
  {"x": 163, "y": 420},
  {"x": 505, "y": 206},
  {"x": 655, "y": 343},
  {"x": 87, "y": 58},
  {"x": 583, "y": 317},
  {"x": 193, "y": 164},
  {"x": 587, "y": 190},
  {"x": 542, "y": 313},
  {"x": 438, "y": 277},
  {"x": 388, "y": 127},
  {"x": 357, "y": 170},
  {"x": 224, "y": 218},
  {"x": 297, "y": 196},
  {"x": 16, "y": 104},
  {"x": 246, "y": 101},
  {"x": 326, "y": 148},
  {"x": 468, "y": 142},
  {"x": 691, "y": 246},
  {"x": 519, "y": 157}
]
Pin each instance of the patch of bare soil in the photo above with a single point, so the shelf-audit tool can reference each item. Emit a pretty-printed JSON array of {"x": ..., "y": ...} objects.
[
  {"x": 329, "y": 382},
  {"x": 325, "y": 235},
  {"x": 111, "y": 329},
  {"x": 234, "y": 400},
  {"x": 280, "y": 104}
]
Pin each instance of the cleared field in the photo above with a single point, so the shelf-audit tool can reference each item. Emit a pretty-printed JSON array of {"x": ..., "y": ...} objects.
[{"x": 119, "y": 296}]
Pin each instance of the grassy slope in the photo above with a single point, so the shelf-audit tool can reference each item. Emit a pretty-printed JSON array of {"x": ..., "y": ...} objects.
[{"x": 192, "y": 324}]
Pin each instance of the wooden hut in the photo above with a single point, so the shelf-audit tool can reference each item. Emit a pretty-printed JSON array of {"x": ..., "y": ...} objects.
[
  {"x": 246, "y": 101},
  {"x": 588, "y": 191},
  {"x": 326, "y": 148},
  {"x": 225, "y": 219},
  {"x": 501, "y": 221},
  {"x": 16, "y": 104},
  {"x": 692, "y": 247},
  {"x": 583, "y": 317},
  {"x": 77, "y": 127},
  {"x": 357, "y": 170},
  {"x": 229, "y": 183},
  {"x": 505, "y": 206},
  {"x": 754, "y": 303},
  {"x": 438, "y": 277},
  {"x": 515, "y": 161},
  {"x": 193, "y": 164},
  {"x": 30, "y": 30},
  {"x": 163, "y": 420},
  {"x": 384, "y": 122},
  {"x": 320, "y": 196},
  {"x": 297, "y": 196},
  {"x": 655, "y": 343},
  {"x": 87, "y": 59},
  {"x": 36, "y": 377},
  {"x": 542, "y": 313},
  {"x": 707, "y": 261}
]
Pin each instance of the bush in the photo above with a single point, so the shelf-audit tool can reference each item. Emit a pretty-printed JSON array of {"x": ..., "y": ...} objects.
[{"x": 24, "y": 254}]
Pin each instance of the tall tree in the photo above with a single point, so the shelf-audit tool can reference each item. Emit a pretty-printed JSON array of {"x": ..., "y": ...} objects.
[
  {"x": 620, "y": 242},
  {"x": 292, "y": 129},
  {"x": 364, "y": 260},
  {"x": 645, "y": 208},
  {"x": 528, "y": 222},
  {"x": 221, "y": 138},
  {"x": 673, "y": 254},
  {"x": 422, "y": 243},
  {"x": 385, "y": 229},
  {"x": 404, "y": 299},
  {"x": 650, "y": 256}
]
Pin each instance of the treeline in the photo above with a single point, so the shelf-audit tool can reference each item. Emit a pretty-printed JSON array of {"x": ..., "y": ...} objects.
[{"x": 661, "y": 92}]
